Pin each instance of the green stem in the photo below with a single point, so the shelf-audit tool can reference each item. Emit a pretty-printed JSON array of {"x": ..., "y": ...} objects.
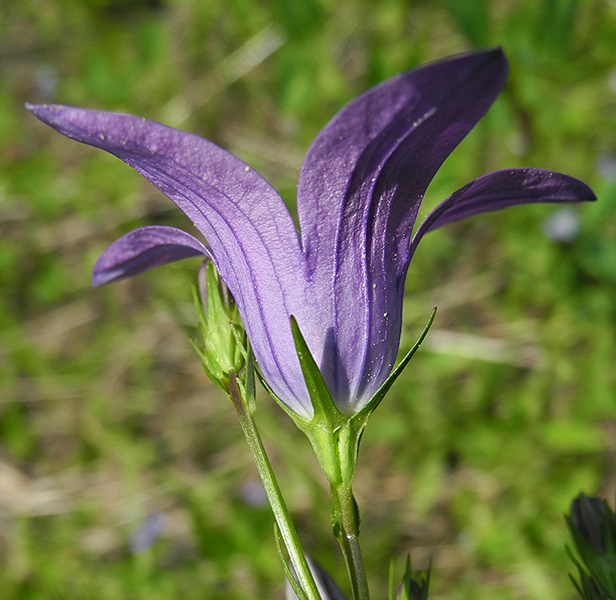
[
  {"x": 274, "y": 495},
  {"x": 346, "y": 528}
]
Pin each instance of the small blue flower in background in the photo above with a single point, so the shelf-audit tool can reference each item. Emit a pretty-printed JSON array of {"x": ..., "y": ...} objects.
[
  {"x": 562, "y": 226},
  {"x": 149, "y": 530},
  {"x": 359, "y": 192},
  {"x": 252, "y": 493},
  {"x": 606, "y": 166}
]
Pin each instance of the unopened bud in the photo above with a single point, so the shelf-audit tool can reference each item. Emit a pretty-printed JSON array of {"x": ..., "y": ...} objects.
[{"x": 224, "y": 339}]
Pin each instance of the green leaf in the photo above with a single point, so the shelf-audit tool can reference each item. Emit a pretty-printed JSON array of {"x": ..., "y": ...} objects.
[
  {"x": 299, "y": 592},
  {"x": 390, "y": 583}
]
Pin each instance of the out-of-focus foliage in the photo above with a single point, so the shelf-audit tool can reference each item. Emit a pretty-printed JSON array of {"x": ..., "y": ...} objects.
[{"x": 122, "y": 471}]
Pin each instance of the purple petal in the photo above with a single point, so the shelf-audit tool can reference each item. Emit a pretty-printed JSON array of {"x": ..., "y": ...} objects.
[
  {"x": 360, "y": 188},
  {"x": 250, "y": 233},
  {"x": 502, "y": 189},
  {"x": 143, "y": 249}
]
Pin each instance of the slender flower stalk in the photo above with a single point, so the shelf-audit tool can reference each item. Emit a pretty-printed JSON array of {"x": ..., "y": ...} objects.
[
  {"x": 346, "y": 530},
  {"x": 274, "y": 495}
]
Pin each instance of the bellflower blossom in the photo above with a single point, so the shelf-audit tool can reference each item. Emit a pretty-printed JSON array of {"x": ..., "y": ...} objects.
[{"x": 359, "y": 192}]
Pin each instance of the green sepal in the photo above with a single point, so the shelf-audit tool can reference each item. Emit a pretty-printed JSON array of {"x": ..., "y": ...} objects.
[
  {"x": 326, "y": 413},
  {"x": 334, "y": 435},
  {"x": 587, "y": 587},
  {"x": 385, "y": 387},
  {"x": 210, "y": 366},
  {"x": 329, "y": 430},
  {"x": 325, "y": 440},
  {"x": 212, "y": 376}
]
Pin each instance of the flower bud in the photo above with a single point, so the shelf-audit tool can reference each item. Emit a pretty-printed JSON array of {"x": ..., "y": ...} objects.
[
  {"x": 224, "y": 339},
  {"x": 414, "y": 585}
]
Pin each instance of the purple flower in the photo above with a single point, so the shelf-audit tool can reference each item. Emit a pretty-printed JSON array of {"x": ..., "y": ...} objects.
[
  {"x": 359, "y": 191},
  {"x": 149, "y": 530}
]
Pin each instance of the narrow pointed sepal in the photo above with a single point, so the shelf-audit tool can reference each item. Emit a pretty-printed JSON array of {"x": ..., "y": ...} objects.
[
  {"x": 326, "y": 413},
  {"x": 385, "y": 387},
  {"x": 334, "y": 435},
  {"x": 331, "y": 432}
]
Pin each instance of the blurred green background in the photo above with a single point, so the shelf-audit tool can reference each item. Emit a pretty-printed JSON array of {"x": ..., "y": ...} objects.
[{"x": 109, "y": 430}]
